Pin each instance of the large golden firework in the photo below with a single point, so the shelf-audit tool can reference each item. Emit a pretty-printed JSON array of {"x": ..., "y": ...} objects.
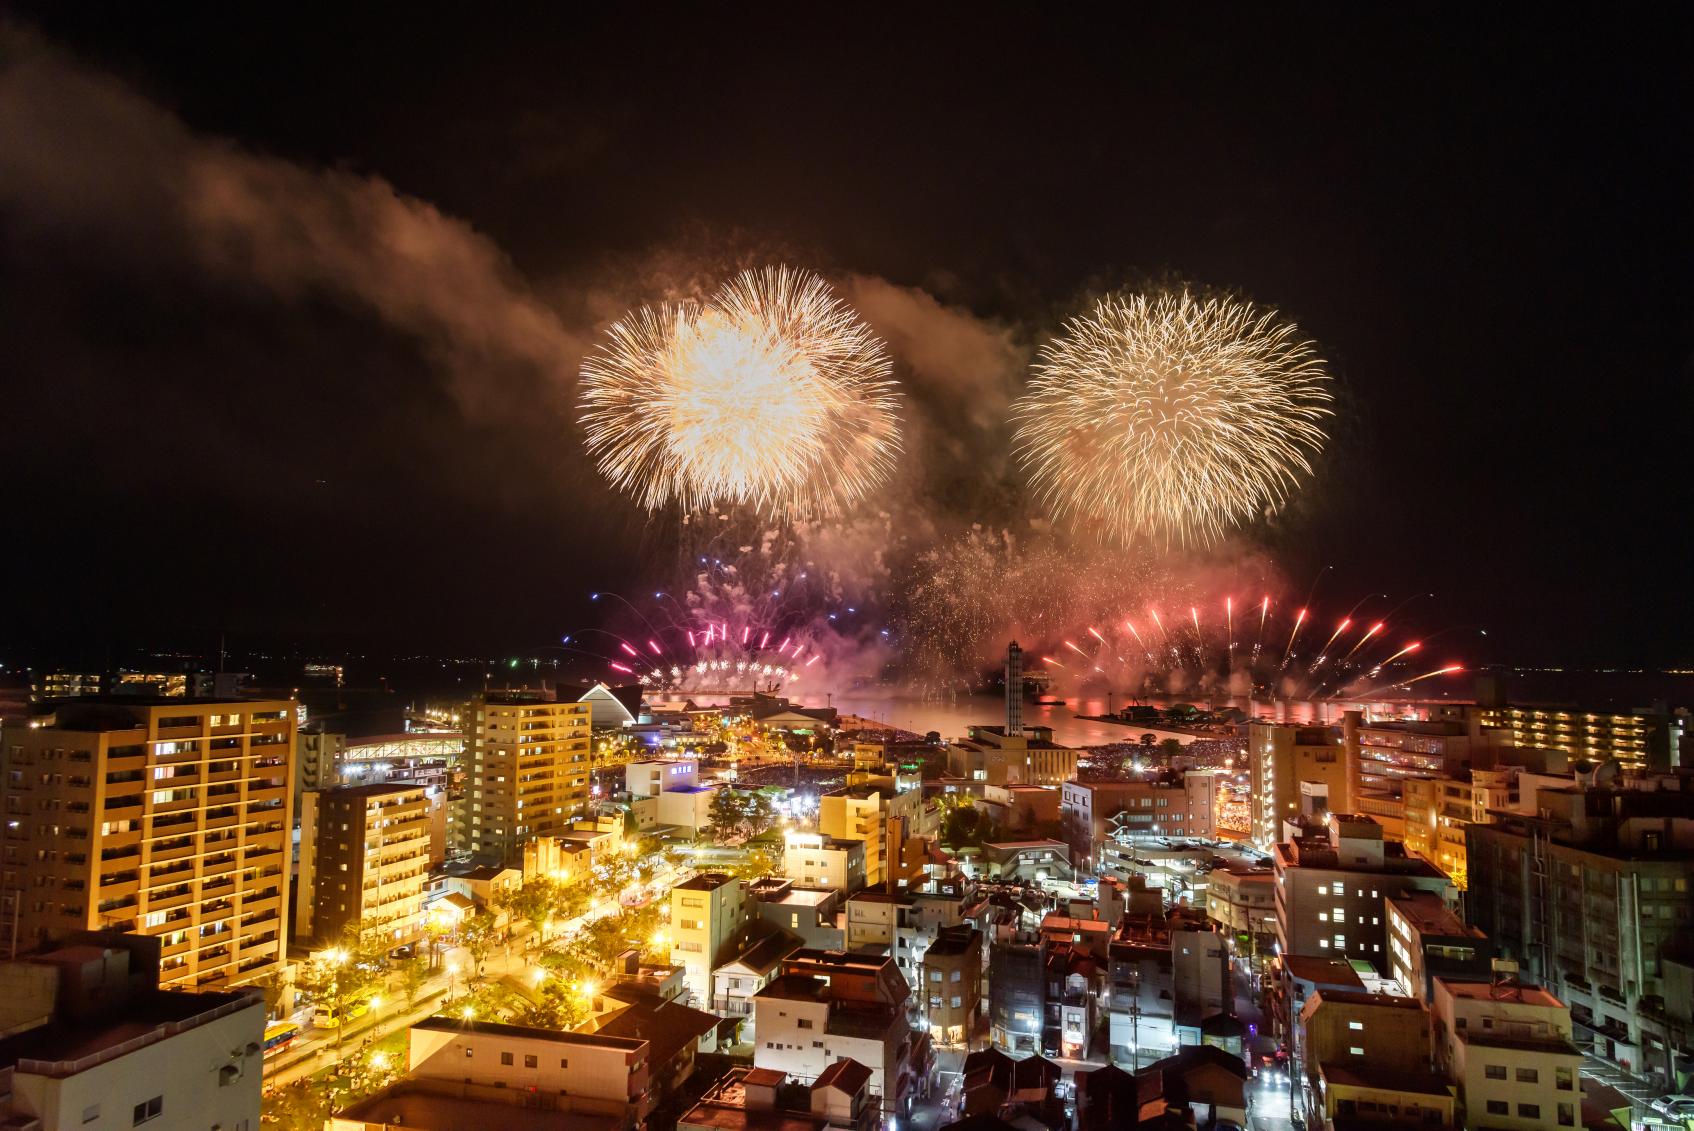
[
  {"x": 772, "y": 394},
  {"x": 1171, "y": 418}
]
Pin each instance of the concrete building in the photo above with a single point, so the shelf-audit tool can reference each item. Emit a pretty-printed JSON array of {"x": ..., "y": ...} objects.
[
  {"x": 1428, "y": 940},
  {"x": 318, "y": 754},
  {"x": 951, "y": 975},
  {"x": 827, "y": 1006},
  {"x": 874, "y": 813},
  {"x": 807, "y": 912},
  {"x": 169, "y": 818},
  {"x": 1028, "y": 861},
  {"x": 989, "y": 754},
  {"x": 1163, "y": 805},
  {"x": 1438, "y": 809},
  {"x": 1589, "y": 896},
  {"x": 1354, "y": 1095},
  {"x": 1330, "y": 888},
  {"x": 710, "y": 921},
  {"x": 588, "y": 1074},
  {"x": 364, "y": 862},
  {"x": 1508, "y": 1049},
  {"x": 1640, "y": 740},
  {"x": 104, "y": 1047},
  {"x": 649, "y": 779},
  {"x": 1168, "y": 976},
  {"x": 526, "y": 772},
  {"x": 1280, "y": 759},
  {"x": 1242, "y": 901},
  {"x": 1357, "y": 1029},
  {"x": 817, "y": 861}
]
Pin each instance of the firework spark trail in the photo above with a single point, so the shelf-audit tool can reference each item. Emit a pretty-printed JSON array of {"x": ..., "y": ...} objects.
[
  {"x": 1412, "y": 647},
  {"x": 1229, "y": 622},
  {"x": 1323, "y": 653},
  {"x": 1448, "y": 670},
  {"x": 772, "y": 395},
  {"x": 1362, "y": 641},
  {"x": 1298, "y": 621},
  {"x": 1171, "y": 418}
]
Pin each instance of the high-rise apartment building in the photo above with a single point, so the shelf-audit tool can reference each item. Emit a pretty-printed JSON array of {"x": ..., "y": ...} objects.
[
  {"x": 1281, "y": 759},
  {"x": 526, "y": 772},
  {"x": 1593, "y": 895},
  {"x": 166, "y": 817},
  {"x": 1331, "y": 887},
  {"x": 1639, "y": 740},
  {"x": 364, "y": 861}
]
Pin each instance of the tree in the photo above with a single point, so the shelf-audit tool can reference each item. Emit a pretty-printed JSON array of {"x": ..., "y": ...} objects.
[
  {"x": 727, "y": 815},
  {"x": 1170, "y": 747},
  {"x": 533, "y": 902},
  {"x": 556, "y": 1007},
  {"x": 414, "y": 972},
  {"x": 1149, "y": 739},
  {"x": 761, "y": 815},
  {"x": 478, "y": 935}
]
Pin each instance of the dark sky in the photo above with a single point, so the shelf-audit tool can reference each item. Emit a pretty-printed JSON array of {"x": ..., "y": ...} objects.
[{"x": 1487, "y": 227}]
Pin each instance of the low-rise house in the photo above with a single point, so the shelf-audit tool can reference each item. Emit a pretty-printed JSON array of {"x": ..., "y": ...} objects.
[
  {"x": 738, "y": 981},
  {"x": 995, "y": 1084},
  {"x": 1381, "y": 1097},
  {"x": 827, "y": 1005},
  {"x": 1202, "y": 1084},
  {"x": 582, "y": 1073},
  {"x": 1507, "y": 1048},
  {"x": 763, "y": 1099}
]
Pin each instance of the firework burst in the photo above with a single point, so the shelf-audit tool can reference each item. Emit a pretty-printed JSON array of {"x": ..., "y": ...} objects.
[
  {"x": 1170, "y": 418},
  {"x": 772, "y": 395}
]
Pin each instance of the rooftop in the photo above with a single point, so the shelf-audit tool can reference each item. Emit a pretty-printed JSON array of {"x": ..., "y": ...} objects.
[
  {"x": 1430, "y": 915},
  {"x": 423, "y": 1105},
  {"x": 796, "y": 987},
  {"x": 62, "y": 1048},
  {"x": 705, "y": 881},
  {"x": 374, "y": 789},
  {"x": 1322, "y": 971},
  {"x": 524, "y": 1032},
  {"x": 1511, "y": 993},
  {"x": 1385, "y": 1079}
]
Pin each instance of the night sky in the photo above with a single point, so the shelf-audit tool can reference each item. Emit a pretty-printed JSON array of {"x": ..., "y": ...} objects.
[{"x": 290, "y": 307}]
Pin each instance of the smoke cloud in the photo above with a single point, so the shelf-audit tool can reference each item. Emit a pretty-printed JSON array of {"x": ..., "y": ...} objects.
[{"x": 86, "y": 156}]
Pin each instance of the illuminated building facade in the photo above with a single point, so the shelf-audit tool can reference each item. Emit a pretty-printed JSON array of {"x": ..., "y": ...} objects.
[
  {"x": 526, "y": 773},
  {"x": 1639, "y": 740},
  {"x": 1280, "y": 759},
  {"x": 364, "y": 861},
  {"x": 169, "y": 818}
]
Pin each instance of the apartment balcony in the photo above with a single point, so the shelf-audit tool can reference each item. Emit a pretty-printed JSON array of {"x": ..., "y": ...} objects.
[
  {"x": 223, "y": 820},
  {"x": 173, "y": 898},
  {"x": 268, "y": 793},
  {"x": 219, "y": 867},
  {"x": 168, "y": 808},
  {"x": 258, "y": 905},
  {"x": 160, "y": 855},
  {"x": 119, "y": 888}
]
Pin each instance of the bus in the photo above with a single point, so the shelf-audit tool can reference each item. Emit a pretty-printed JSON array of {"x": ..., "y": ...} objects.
[
  {"x": 328, "y": 1017},
  {"x": 279, "y": 1035}
]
